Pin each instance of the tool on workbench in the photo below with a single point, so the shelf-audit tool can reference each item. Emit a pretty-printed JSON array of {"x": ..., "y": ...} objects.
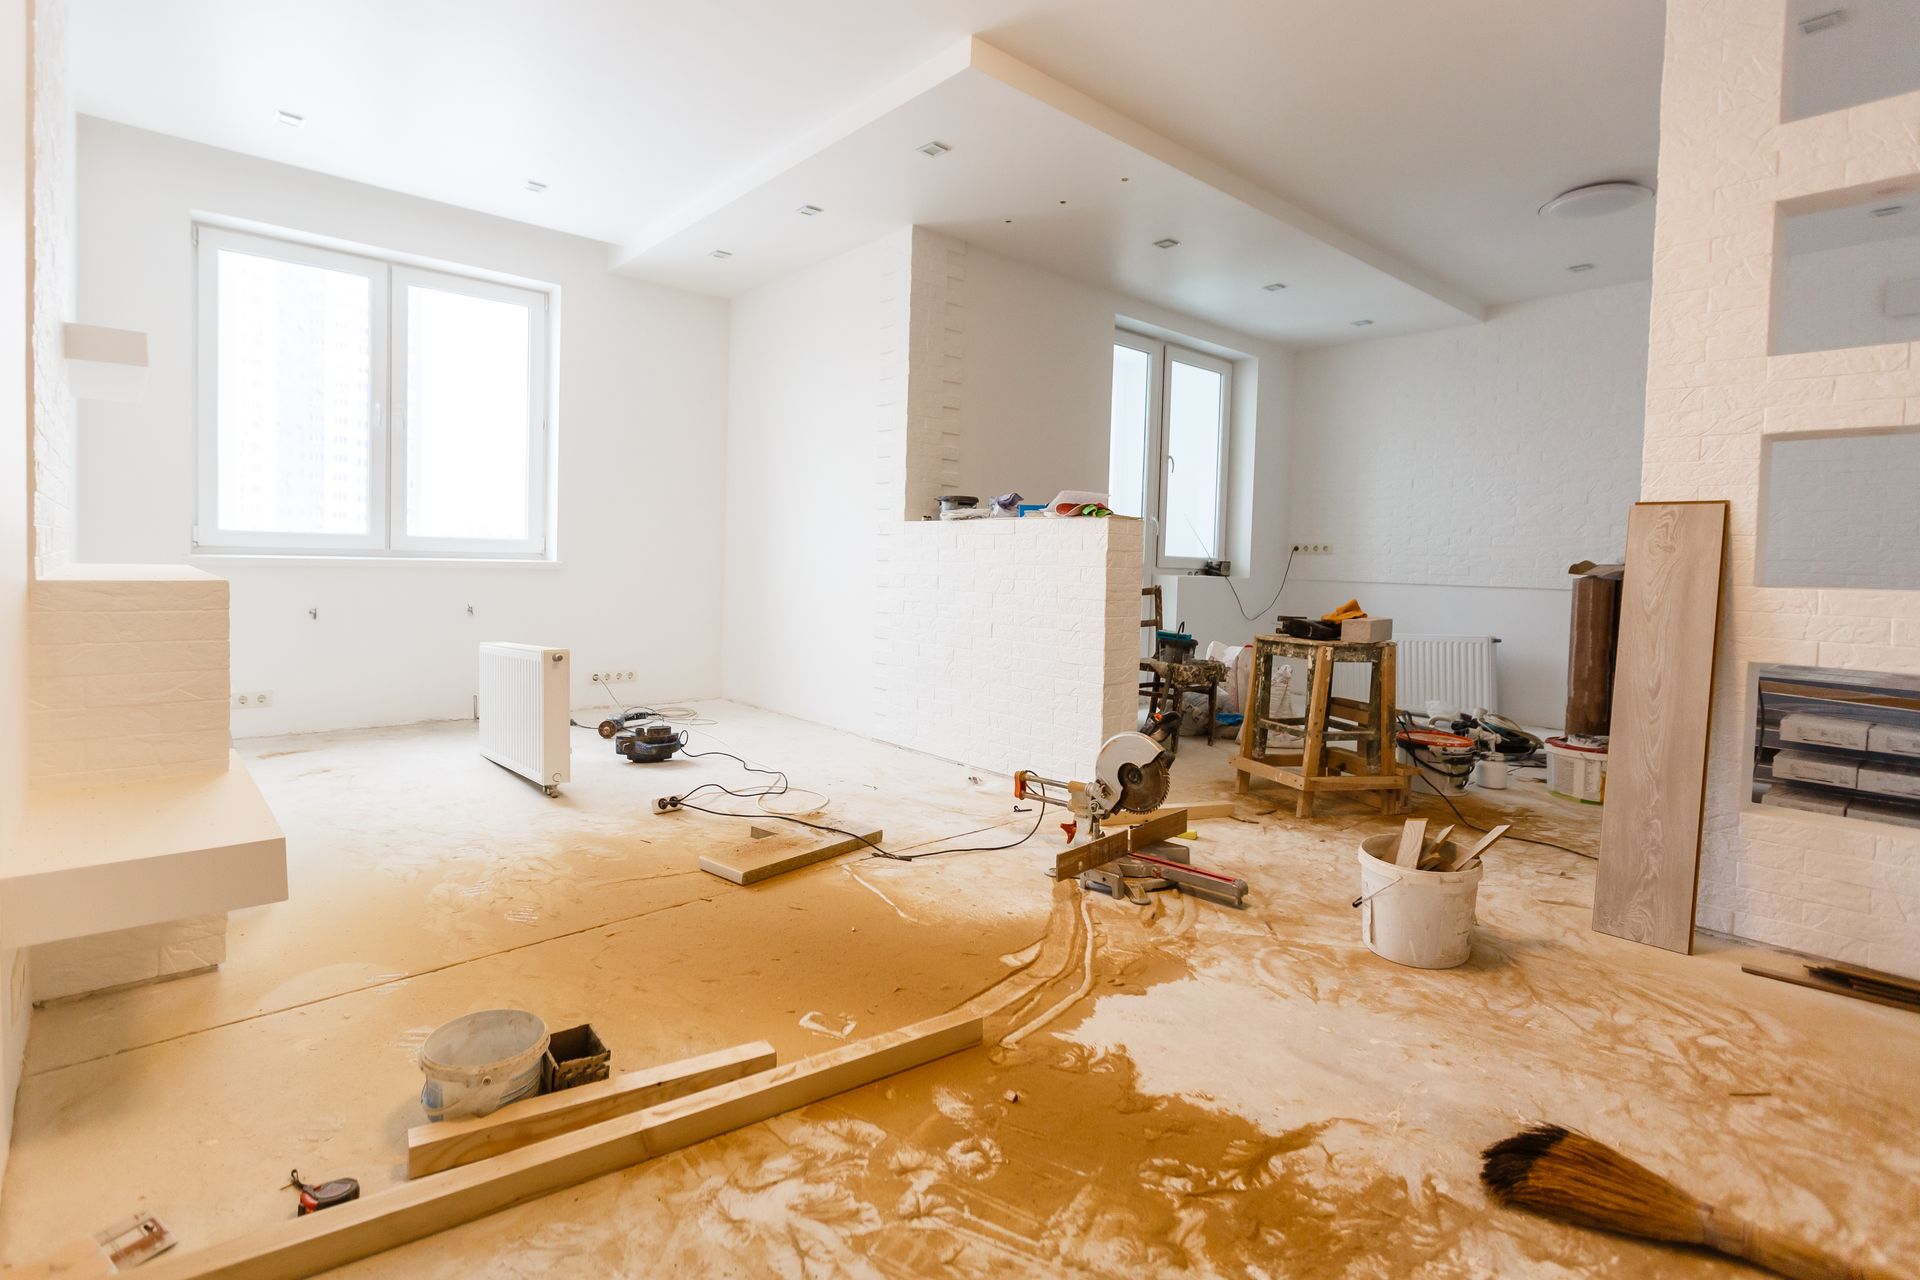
[
  {"x": 325, "y": 1195},
  {"x": 1131, "y": 773}
]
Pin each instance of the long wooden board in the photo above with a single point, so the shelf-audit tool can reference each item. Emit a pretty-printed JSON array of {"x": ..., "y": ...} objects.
[
  {"x": 1806, "y": 979},
  {"x": 1199, "y": 811},
  {"x": 362, "y": 1228},
  {"x": 1162, "y": 824},
  {"x": 778, "y": 852},
  {"x": 433, "y": 1148},
  {"x": 1662, "y": 708}
]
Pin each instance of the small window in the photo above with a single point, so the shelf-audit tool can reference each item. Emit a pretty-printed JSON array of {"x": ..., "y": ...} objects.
[
  {"x": 1167, "y": 460},
  {"x": 354, "y": 406}
]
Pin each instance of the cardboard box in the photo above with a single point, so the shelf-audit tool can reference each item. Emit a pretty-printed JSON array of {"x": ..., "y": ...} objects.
[
  {"x": 1788, "y": 797},
  {"x": 1366, "y": 630},
  {"x": 1804, "y": 766},
  {"x": 1824, "y": 731},
  {"x": 1890, "y": 780},
  {"x": 1894, "y": 739}
]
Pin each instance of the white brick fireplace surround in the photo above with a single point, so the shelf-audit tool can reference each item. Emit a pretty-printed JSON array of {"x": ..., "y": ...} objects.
[{"x": 1729, "y": 170}]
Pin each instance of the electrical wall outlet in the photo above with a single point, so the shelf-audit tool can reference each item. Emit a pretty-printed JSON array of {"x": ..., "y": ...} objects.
[
  {"x": 613, "y": 677},
  {"x": 254, "y": 698},
  {"x": 1313, "y": 548}
]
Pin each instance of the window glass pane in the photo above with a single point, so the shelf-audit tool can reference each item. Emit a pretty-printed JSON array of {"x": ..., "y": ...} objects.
[
  {"x": 1127, "y": 456},
  {"x": 1195, "y": 400},
  {"x": 468, "y": 419},
  {"x": 293, "y": 357}
]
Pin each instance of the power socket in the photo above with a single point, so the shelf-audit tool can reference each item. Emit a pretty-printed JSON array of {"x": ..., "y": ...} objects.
[
  {"x": 251, "y": 699},
  {"x": 613, "y": 677},
  {"x": 1313, "y": 548}
]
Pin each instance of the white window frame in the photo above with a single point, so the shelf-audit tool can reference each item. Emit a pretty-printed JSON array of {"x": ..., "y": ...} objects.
[
  {"x": 1153, "y": 487},
  {"x": 386, "y": 535}
]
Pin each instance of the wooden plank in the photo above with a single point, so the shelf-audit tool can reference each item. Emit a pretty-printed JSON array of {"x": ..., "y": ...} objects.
[
  {"x": 1080, "y": 857},
  {"x": 1805, "y": 979},
  {"x": 1199, "y": 811},
  {"x": 1662, "y": 707},
  {"x": 1162, "y": 826},
  {"x": 778, "y": 852},
  {"x": 361, "y": 1228},
  {"x": 433, "y": 1148},
  {"x": 1412, "y": 839}
]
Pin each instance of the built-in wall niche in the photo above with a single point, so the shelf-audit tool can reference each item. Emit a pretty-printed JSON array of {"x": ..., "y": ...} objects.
[
  {"x": 1848, "y": 275},
  {"x": 1845, "y": 743},
  {"x": 1846, "y": 53},
  {"x": 1838, "y": 509}
]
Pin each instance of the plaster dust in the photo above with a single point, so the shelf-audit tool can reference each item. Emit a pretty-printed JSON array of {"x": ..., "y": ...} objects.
[{"x": 1179, "y": 1088}]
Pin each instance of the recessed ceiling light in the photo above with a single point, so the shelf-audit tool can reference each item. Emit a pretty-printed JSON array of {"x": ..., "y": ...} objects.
[
  {"x": 1888, "y": 210},
  {"x": 933, "y": 148},
  {"x": 1168, "y": 243},
  {"x": 721, "y": 253},
  {"x": 1275, "y": 287},
  {"x": 1578, "y": 267},
  {"x": 1596, "y": 199},
  {"x": 1361, "y": 324},
  {"x": 536, "y": 186},
  {"x": 1822, "y": 21},
  {"x": 291, "y": 119},
  {"x": 808, "y": 210}
]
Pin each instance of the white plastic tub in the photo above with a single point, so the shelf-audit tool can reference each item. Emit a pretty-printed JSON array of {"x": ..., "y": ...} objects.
[
  {"x": 479, "y": 1063},
  {"x": 1412, "y": 917},
  {"x": 1576, "y": 773}
]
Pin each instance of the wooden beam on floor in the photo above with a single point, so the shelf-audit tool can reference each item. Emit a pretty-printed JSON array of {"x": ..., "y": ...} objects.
[
  {"x": 415, "y": 1210},
  {"x": 777, "y": 852},
  {"x": 434, "y": 1148}
]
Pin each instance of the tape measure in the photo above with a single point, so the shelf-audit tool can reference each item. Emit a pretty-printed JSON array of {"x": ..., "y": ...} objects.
[{"x": 323, "y": 1196}]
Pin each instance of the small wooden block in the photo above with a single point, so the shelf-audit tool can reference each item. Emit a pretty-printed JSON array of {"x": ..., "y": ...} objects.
[
  {"x": 1094, "y": 853},
  {"x": 432, "y": 1148},
  {"x": 1162, "y": 826},
  {"x": 1412, "y": 837},
  {"x": 777, "y": 852}
]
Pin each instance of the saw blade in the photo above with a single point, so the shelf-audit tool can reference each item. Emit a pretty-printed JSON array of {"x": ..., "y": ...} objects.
[{"x": 1150, "y": 791}]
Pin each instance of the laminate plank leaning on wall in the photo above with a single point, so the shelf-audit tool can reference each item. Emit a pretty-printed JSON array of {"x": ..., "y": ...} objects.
[{"x": 1662, "y": 703}]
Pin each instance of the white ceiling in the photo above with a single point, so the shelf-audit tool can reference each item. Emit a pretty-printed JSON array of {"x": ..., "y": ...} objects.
[{"x": 1429, "y": 132}]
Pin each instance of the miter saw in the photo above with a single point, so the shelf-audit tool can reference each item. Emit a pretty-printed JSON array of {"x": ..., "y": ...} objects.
[{"x": 1130, "y": 774}]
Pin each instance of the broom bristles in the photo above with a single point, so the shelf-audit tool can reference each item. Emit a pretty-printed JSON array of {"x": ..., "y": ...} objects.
[{"x": 1567, "y": 1175}]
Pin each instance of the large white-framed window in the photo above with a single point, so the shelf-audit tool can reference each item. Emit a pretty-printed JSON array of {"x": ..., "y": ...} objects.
[
  {"x": 1168, "y": 456},
  {"x": 356, "y": 406}
]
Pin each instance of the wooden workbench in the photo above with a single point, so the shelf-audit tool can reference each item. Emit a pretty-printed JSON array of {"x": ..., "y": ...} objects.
[{"x": 1345, "y": 745}]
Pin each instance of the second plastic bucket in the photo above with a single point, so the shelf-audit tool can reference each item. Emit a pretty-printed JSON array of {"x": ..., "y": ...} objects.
[
  {"x": 481, "y": 1062},
  {"x": 1412, "y": 917}
]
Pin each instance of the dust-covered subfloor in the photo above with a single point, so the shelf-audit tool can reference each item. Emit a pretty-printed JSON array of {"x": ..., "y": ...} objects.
[{"x": 1180, "y": 1088}]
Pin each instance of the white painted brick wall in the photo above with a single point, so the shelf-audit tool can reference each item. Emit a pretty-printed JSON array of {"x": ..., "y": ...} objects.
[
  {"x": 1832, "y": 887},
  {"x": 127, "y": 674},
  {"x": 1839, "y": 511},
  {"x": 127, "y": 956},
  {"x": 54, "y": 445}
]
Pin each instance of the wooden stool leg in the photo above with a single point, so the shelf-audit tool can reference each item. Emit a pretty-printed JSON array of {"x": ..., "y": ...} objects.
[
  {"x": 1212, "y": 690},
  {"x": 1250, "y": 719},
  {"x": 1385, "y": 708},
  {"x": 1314, "y": 730}
]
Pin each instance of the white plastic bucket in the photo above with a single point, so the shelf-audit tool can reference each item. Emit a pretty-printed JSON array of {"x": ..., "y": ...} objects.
[
  {"x": 1413, "y": 917},
  {"x": 479, "y": 1063},
  {"x": 1576, "y": 773}
]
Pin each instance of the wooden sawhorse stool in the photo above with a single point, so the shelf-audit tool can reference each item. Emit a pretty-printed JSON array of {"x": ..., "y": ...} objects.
[{"x": 1365, "y": 765}]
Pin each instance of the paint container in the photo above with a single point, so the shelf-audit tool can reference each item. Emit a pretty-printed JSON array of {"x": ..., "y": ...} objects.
[
  {"x": 479, "y": 1063},
  {"x": 1575, "y": 772},
  {"x": 1419, "y": 918},
  {"x": 1490, "y": 774}
]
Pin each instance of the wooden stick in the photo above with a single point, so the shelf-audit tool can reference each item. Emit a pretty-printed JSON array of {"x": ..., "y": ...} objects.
[
  {"x": 359, "y": 1229},
  {"x": 432, "y": 1148},
  {"x": 1821, "y": 984},
  {"x": 1199, "y": 812},
  {"x": 1412, "y": 839}
]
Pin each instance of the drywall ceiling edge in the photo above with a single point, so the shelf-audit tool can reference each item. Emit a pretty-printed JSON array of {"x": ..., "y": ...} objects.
[{"x": 976, "y": 54}]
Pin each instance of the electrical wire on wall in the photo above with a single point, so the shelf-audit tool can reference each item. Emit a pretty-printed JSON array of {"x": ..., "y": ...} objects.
[{"x": 1284, "y": 573}]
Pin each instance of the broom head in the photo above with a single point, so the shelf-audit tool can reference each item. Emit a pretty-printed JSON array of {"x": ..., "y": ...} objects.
[{"x": 1569, "y": 1176}]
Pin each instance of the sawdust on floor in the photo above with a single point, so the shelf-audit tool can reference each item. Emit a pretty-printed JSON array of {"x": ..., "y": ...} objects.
[{"x": 1180, "y": 1088}]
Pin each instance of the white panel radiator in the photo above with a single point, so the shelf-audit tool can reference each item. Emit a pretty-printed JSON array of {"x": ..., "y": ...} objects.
[
  {"x": 1457, "y": 671},
  {"x": 523, "y": 711}
]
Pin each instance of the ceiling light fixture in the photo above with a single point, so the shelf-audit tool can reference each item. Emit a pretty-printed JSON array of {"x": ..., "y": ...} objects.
[
  {"x": 1275, "y": 287},
  {"x": 1596, "y": 199},
  {"x": 1361, "y": 324},
  {"x": 1578, "y": 267},
  {"x": 1822, "y": 21},
  {"x": 808, "y": 210},
  {"x": 536, "y": 186},
  {"x": 933, "y": 148},
  {"x": 291, "y": 119},
  {"x": 721, "y": 253},
  {"x": 1888, "y": 210},
  {"x": 1168, "y": 243}
]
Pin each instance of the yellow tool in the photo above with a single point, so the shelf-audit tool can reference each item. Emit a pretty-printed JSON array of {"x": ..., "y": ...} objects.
[{"x": 1346, "y": 612}]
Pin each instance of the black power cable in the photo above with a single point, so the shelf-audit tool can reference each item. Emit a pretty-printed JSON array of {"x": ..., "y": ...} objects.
[{"x": 1276, "y": 594}]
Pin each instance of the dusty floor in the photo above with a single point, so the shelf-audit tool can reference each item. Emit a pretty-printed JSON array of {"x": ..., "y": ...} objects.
[{"x": 1181, "y": 1088}]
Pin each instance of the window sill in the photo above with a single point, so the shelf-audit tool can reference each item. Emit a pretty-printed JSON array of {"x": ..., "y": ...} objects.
[{"x": 325, "y": 558}]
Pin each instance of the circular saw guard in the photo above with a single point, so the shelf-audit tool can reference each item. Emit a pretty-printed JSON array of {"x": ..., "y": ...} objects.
[{"x": 1132, "y": 773}]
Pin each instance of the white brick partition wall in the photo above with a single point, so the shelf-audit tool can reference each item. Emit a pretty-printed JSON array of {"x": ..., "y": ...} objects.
[
  {"x": 55, "y": 448},
  {"x": 1728, "y": 168}
]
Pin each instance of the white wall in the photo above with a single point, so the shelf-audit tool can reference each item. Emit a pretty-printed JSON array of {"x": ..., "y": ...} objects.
[
  {"x": 642, "y": 387},
  {"x": 1838, "y": 511},
  {"x": 1457, "y": 474},
  {"x": 1036, "y": 417},
  {"x": 1837, "y": 297},
  {"x": 15, "y": 544}
]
